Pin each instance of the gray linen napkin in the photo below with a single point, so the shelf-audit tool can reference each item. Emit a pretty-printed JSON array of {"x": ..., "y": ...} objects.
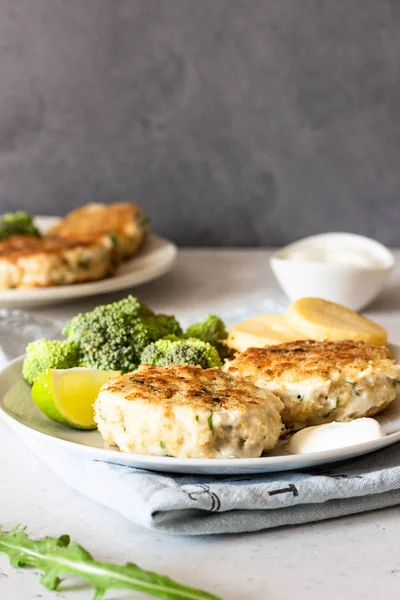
[{"x": 198, "y": 505}]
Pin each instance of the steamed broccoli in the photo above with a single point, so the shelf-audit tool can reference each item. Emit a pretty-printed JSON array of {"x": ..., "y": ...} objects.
[
  {"x": 18, "y": 223},
  {"x": 213, "y": 331},
  {"x": 171, "y": 350},
  {"x": 48, "y": 354},
  {"x": 163, "y": 325},
  {"x": 113, "y": 336}
]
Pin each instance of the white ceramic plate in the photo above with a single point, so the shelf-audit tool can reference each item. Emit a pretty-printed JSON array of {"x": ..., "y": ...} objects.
[
  {"x": 155, "y": 258},
  {"x": 18, "y": 410}
]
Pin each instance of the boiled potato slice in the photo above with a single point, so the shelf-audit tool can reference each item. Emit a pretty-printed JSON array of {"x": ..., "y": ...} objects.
[
  {"x": 322, "y": 320},
  {"x": 260, "y": 331}
]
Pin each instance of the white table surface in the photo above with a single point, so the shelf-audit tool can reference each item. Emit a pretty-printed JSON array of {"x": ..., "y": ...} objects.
[{"x": 352, "y": 558}]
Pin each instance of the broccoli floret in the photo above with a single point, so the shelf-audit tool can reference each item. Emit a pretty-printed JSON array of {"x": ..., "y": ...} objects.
[
  {"x": 129, "y": 307},
  {"x": 161, "y": 326},
  {"x": 113, "y": 336},
  {"x": 223, "y": 350},
  {"x": 18, "y": 223},
  {"x": 211, "y": 330},
  {"x": 48, "y": 354},
  {"x": 172, "y": 350}
]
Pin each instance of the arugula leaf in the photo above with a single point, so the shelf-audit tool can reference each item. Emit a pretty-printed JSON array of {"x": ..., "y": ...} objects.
[{"x": 57, "y": 556}]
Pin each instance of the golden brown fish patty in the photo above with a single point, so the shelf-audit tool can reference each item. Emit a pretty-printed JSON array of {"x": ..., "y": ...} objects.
[
  {"x": 187, "y": 411},
  {"x": 28, "y": 262},
  {"x": 123, "y": 224},
  {"x": 320, "y": 382}
]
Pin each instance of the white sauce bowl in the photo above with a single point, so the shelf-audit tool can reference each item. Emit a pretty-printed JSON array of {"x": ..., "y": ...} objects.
[{"x": 308, "y": 268}]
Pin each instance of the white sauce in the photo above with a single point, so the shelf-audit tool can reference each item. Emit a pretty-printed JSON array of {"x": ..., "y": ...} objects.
[
  {"x": 343, "y": 256},
  {"x": 335, "y": 435}
]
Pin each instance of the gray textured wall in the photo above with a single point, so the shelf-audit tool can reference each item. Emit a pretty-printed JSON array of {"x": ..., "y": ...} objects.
[{"x": 232, "y": 121}]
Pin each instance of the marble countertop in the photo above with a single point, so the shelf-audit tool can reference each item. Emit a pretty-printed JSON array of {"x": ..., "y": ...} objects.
[{"x": 352, "y": 558}]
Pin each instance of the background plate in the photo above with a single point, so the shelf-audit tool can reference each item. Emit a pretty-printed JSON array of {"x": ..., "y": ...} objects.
[
  {"x": 156, "y": 257},
  {"x": 17, "y": 408}
]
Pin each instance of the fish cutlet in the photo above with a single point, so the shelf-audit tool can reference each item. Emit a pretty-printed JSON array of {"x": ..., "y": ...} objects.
[
  {"x": 187, "y": 412},
  {"x": 320, "y": 382},
  {"x": 30, "y": 262},
  {"x": 123, "y": 224}
]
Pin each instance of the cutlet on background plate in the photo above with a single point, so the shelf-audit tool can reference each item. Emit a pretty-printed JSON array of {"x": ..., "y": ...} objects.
[
  {"x": 319, "y": 382},
  {"x": 29, "y": 261},
  {"x": 123, "y": 224}
]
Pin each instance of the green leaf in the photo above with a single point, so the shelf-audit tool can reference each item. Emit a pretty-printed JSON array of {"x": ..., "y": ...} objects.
[
  {"x": 113, "y": 239},
  {"x": 210, "y": 422},
  {"x": 163, "y": 447},
  {"x": 58, "y": 556},
  {"x": 84, "y": 263},
  {"x": 99, "y": 594}
]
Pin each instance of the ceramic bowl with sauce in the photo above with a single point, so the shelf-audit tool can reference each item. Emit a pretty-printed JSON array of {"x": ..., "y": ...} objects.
[{"x": 345, "y": 268}]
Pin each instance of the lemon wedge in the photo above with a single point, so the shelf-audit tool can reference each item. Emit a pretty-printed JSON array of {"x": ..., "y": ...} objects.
[
  {"x": 261, "y": 331},
  {"x": 67, "y": 395},
  {"x": 322, "y": 320}
]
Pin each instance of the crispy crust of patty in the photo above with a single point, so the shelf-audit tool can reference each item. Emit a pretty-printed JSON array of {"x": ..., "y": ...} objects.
[
  {"x": 184, "y": 384},
  {"x": 21, "y": 246},
  {"x": 125, "y": 224},
  {"x": 308, "y": 359},
  {"x": 28, "y": 261}
]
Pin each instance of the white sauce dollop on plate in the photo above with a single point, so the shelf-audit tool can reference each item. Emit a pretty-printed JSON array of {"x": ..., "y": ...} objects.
[{"x": 335, "y": 435}]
